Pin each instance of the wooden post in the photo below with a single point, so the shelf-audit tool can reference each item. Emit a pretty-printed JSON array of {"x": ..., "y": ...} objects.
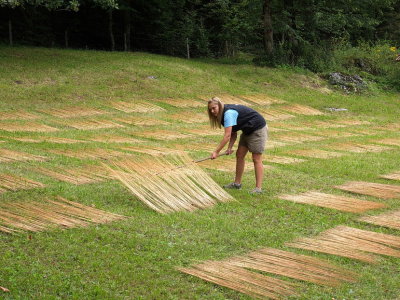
[{"x": 187, "y": 48}]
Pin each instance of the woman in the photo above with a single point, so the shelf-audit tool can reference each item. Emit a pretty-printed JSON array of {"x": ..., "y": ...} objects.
[{"x": 236, "y": 117}]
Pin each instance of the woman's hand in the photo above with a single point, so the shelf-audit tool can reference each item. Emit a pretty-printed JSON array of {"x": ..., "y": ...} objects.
[
  {"x": 229, "y": 152},
  {"x": 214, "y": 155}
]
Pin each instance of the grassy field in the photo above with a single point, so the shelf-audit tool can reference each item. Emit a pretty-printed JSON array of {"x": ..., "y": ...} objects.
[{"x": 136, "y": 258}]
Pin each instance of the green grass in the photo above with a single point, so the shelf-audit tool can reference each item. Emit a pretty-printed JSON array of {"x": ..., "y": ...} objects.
[{"x": 136, "y": 258}]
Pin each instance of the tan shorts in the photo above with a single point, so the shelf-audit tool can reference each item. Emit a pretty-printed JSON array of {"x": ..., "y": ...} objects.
[{"x": 255, "y": 141}]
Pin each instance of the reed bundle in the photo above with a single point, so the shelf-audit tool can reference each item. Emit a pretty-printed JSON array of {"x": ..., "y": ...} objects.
[
  {"x": 189, "y": 117},
  {"x": 390, "y": 127},
  {"x": 39, "y": 216},
  {"x": 390, "y": 219},
  {"x": 333, "y": 201},
  {"x": 154, "y": 151},
  {"x": 135, "y": 107},
  {"x": 91, "y": 153},
  {"x": 274, "y": 144},
  {"x": 55, "y": 140},
  {"x": 379, "y": 190},
  {"x": 229, "y": 99},
  {"x": 140, "y": 121},
  {"x": 109, "y": 138},
  {"x": 316, "y": 153},
  {"x": 90, "y": 124},
  {"x": 239, "y": 279},
  {"x": 11, "y": 156},
  {"x": 392, "y": 142},
  {"x": 324, "y": 124},
  {"x": 364, "y": 131},
  {"x": 14, "y": 183},
  {"x": 27, "y": 127},
  {"x": 392, "y": 176},
  {"x": 81, "y": 175},
  {"x": 352, "y": 243},
  {"x": 163, "y": 135},
  {"x": 181, "y": 102},
  {"x": 17, "y": 115},
  {"x": 273, "y": 114},
  {"x": 352, "y": 122},
  {"x": 301, "y": 110},
  {"x": 169, "y": 184},
  {"x": 293, "y": 265},
  {"x": 297, "y": 138},
  {"x": 282, "y": 159},
  {"x": 223, "y": 165},
  {"x": 358, "y": 148},
  {"x": 261, "y": 99},
  {"x": 73, "y": 112},
  {"x": 336, "y": 134},
  {"x": 203, "y": 130},
  {"x": 206, "y": 147}
]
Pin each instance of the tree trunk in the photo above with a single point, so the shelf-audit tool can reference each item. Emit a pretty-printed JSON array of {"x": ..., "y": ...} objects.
[
  {"x": 127, "y": 29},
  {"x": 10, "y": 34},
  {"x": 110, "y": 29},
  {"x": 267, "y": 22}
]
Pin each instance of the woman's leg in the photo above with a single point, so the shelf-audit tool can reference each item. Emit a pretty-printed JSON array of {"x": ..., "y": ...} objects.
[
  {"x": 258, "y": 168},
  {"x": 240, "y": 155}
]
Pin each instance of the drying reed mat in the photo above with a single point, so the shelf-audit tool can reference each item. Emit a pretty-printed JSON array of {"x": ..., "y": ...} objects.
[
  {"x": 351, "y": 243},
  {"x": 97, "y": 153},
  {"x": 316, "y": 124},
  {"x": 336, "y": 134},
  {"x": 333, "y": 201},
  {"x": 261, "y": 99},
  {"x": 389, "y": 219},
  {"x": 357, "y": 148},
  {"x": 350, "y": 122},
  {"x": 140, "y": 121},
  {"x": 73, "y": 112},
  {"x": 204, "y": 131},
  {"x": 392, "y": 142},
  {"x": 273, "y": 114},
  {"x": 390, "y": 127},
  {"x": 301, "y": 110},
  {"x": 90, "y": 124},
  {"x": 163, "y": 135},
  {"x": 294, "y": 266},
  {"x": 189, "y": 117},
  {"x": 55, "y": 140},
  {"x": 224, "y": 165},
  {"x": 135, "y": 107},
  {"x": 316, "y": 153},
  {"x": 17, "y": 115},
  {"x": 244, "y": 281},
  {"x": 169, "y": 184},
  {"x": 26, "y": 127},
  {"x": 229, "y": 99},
  {"x": 52, "y": 213},
  {"x": 80, "y": 175},
  {"x": 282, "y": 160},
  {"x": 379, "y": 190},
  {"x": 11, "y": 156},
  {"x": 297, "y": 137},
  {"x": 392, "y": 176},
  {"x": 155, "y": 151},
  {"x": 205, "y": 147},
  {"x": 181, "y": 102},
  {"x": 109, "y": 138},
  {"x": 15, "y": 183},
  {"x": 274, "y": 144}
]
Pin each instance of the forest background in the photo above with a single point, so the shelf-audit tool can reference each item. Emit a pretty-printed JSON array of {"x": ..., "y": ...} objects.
[{"x": 352, "y": 36}]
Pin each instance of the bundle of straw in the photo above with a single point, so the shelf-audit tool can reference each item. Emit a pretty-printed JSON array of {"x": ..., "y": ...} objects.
[
  {"x": 17, "y": 115},
  {"x": 392, "y": 176},
  {"x": 316, "y": 153},
  {"x": 136, "y": 107},
  {"x": 168, "y": 184},
  {"x": 14, "y": 183},
  {"x": 293, "y": 265},
  {"x": 379, "y": 190},
  {"x": 262, "y": 99},
  {"x": 390, "y": 219},
  {"x": 301, "y": 110},
  {"x": 27, "y": 127},
  {"x": 352, "y": 243},
  {"x": 333, "y": 201},
  {"x": 73, "y": 112},
  {"x": 239, "y": 279}
]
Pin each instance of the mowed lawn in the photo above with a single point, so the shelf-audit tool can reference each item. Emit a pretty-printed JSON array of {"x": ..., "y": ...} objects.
[{"x": 43, "y": 96}]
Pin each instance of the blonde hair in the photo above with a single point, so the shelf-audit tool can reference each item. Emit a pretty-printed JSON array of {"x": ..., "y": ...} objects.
[{"x": 215, "y": 122}]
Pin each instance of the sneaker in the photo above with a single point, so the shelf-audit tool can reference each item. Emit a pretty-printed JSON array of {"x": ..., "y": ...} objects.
[
  {"x": 233, "y": 185},
  {"x": 256, "y": 191}
]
